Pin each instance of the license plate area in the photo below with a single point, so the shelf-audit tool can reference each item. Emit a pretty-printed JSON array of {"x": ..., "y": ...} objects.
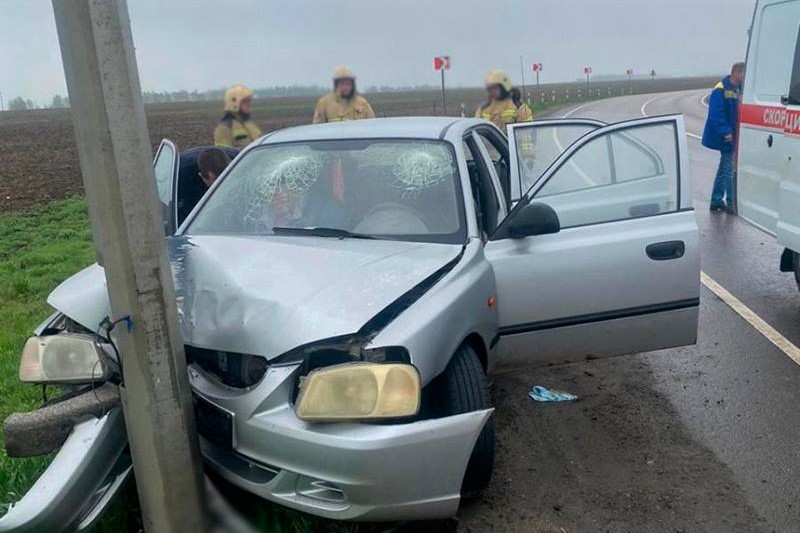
[{"x": 213, "y": 423}]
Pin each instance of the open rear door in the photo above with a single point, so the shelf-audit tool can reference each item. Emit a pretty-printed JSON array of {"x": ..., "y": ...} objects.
[
  {"x": 165, "y": 168},
  {"x": 622, "y": 274}
]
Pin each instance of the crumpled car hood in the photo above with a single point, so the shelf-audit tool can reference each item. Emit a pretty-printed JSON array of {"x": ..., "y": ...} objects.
[{"x": 267, "y": 295}]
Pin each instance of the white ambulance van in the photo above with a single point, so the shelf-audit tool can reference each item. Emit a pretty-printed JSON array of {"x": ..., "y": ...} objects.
[{"x": 768, "y": 175}]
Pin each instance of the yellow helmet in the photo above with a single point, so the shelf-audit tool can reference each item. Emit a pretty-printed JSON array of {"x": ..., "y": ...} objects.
[
  {"x": 498, "y": 77},
  {"x": 343, "y": 73},
  {"x": 234, "y": 96}
]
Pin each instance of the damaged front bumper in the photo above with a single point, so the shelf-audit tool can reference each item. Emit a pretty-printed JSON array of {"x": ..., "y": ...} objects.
[
  {"x": 345, "y": 471},
  {"x": 84, "y": 476}
]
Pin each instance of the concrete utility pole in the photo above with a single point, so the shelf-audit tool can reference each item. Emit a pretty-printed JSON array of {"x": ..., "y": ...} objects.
[{"x": 116, "y": 163}]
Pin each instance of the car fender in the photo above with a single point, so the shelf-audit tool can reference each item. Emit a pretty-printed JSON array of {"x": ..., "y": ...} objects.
[{"x": 457, "y": 306}]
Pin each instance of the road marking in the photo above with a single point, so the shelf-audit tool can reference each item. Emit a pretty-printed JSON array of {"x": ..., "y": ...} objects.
[
  {"x": 643, "y": 109},
  {"x": 571, "y": 111},
  {"x": 760, "y": 325},
  {"x": 772, "y": 335}
]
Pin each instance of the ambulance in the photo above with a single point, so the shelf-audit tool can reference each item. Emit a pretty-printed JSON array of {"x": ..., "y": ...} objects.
[{"x": 768, "y": 165}]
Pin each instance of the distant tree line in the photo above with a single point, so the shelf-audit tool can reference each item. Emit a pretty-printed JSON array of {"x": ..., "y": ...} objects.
[{"x": 152, "y": 97}]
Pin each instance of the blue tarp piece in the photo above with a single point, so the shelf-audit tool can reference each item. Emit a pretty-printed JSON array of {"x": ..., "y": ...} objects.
[{"x": 543, "y": 394}]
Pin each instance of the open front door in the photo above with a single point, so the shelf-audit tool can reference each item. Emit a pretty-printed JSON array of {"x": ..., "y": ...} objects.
[
  {"x": 534, "y": 146},
  {"x": 620, "y": 271},
  {"x": 165, "y": 168}
]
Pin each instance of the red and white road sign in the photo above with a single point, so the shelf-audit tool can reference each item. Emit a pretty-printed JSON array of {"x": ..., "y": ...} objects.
[
  {"x": 587, "y": 70},
  {"x": 537, "y": 67},
  {"x": 441, "y": 63}
]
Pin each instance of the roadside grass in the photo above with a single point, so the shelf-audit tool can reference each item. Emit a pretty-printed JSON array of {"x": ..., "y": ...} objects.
[{"x": 38, "y": 249}]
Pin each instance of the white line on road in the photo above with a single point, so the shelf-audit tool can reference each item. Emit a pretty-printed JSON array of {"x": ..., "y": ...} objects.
[
  {"x": 760, "y": 325},
  {"x": 772, "y": 335},
  {"x": 573, "y": 110}
]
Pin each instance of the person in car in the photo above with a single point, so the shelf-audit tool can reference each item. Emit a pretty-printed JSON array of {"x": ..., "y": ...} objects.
[
  {"x": 344, "y": 102},
  {"x": 210, "y": 164},
  {"x": 720, "y": 132},
  {"x": 524, "y": 112},
  {"x": 500, "y": 108},
  {"x": 235, "y": 128}
]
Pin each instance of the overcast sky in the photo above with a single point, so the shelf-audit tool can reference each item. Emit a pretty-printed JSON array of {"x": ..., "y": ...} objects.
[{"x": 202, "y": 44}]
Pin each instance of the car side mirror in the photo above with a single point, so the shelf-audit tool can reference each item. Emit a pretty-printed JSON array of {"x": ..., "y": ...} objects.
[{"x": 534, "y": 219}]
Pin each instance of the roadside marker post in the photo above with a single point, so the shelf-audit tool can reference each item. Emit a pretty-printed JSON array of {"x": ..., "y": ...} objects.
[
  {"x": 442, "y": 63},
  {"x": 116, "y": 164}
]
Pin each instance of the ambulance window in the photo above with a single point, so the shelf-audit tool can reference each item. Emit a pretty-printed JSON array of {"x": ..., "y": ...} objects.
[
  {"x": 771, "y": 68},
  {"x": 794, "y": 89}
]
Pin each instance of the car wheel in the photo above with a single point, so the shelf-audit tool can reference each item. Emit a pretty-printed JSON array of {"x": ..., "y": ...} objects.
[
  {"x": 466, "y": 389},
  {"x": 796, "y": 268}
]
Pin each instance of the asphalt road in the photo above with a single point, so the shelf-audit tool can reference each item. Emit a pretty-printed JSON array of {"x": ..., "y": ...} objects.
[{"x": 703, "y": 438}]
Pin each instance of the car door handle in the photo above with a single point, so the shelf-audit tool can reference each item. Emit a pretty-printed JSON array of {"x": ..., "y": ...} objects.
[
  {"x": 769, "y": 140},
  {"x": 664, "y": 251}
]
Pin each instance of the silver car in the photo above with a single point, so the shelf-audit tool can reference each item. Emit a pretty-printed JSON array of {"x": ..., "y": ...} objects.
[{"x": 345, "y": 289}]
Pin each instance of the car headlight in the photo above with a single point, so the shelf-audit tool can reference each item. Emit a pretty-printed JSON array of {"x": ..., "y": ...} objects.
[
  {"x": 68, "y": 359},
  {"x": 359, "y": 391}
]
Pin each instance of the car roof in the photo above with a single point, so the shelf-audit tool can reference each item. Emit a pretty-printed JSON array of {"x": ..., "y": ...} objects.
[{"x": 378, "y": 128}]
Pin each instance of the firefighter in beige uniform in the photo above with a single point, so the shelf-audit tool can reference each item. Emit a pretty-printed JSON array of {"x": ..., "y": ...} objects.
[
  {"x": 344, "y": 102},
  {"x": 500, "y": 108},
  {"x": 235, "y": 128}
]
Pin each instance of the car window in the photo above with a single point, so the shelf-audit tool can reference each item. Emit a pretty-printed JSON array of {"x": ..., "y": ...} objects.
[
  {"x": 622, "y": 174},
  {"x": 794, "y": 88},
  {"x": 632, "y": 157},
  {"x": 164, "y": 168},
  {"x": 398, "y": 189},
  {"x": 538, "y": 147},
  {"x": 771, "y": 69}
]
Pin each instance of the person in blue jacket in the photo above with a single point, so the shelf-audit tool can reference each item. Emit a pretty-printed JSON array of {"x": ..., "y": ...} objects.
[{"x": 720, "y": 134}]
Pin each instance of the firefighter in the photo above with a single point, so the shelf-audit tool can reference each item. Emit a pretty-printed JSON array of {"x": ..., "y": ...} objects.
[
  {"x": 524, "y": 112},
  {"x": 344, "y": 102},
  {"x": 499, "y": 109},
  {"x": 235, "y": 128}
]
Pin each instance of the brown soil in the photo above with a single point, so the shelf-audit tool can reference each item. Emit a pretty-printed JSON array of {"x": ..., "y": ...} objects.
[{"x": 39, "y": 161}]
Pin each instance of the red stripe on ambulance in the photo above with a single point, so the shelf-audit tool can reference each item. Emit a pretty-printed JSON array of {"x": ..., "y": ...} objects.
[{"x": 775, "y": 118}]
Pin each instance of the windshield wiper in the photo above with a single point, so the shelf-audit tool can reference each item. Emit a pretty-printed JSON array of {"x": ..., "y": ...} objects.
[{"x": 320, "y": 231}]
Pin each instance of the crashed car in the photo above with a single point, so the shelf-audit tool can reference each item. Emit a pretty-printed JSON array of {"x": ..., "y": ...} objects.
[{"x": 344, "y": 290}]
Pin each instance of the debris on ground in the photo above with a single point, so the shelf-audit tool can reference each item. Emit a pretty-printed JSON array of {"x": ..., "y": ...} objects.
[{"x": 543, "y": 394}]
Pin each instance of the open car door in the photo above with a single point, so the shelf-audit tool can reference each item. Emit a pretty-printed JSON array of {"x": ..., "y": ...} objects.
[
  {"x": 600, "y": 256},
  {"x": 165, "y": 168}
]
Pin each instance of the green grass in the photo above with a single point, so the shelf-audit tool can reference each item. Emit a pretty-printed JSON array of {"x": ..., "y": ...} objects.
[{"x": 38, "y": 250}]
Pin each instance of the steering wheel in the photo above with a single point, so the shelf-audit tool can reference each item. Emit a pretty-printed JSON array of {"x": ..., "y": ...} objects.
[{"x": 390, "y": 218}]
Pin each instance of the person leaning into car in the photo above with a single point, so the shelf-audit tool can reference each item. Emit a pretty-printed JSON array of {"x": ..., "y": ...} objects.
[
  {"x": 211, "y": 162},
  {"x": 235, "y": 128},
  {"x": 344, "y": 102},
  {"x": 500, "y": 108}
]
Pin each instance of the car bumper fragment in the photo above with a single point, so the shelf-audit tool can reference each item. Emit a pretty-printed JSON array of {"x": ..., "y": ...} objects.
[{"x": 80, "y": 482}]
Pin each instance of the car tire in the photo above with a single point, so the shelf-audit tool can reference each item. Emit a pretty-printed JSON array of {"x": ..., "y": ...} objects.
[
  {"x": 467, "y": 389},
  {"x": 796, "y": 268}
]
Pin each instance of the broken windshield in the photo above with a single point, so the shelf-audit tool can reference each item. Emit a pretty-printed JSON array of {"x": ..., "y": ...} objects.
[{"x": 398, "y": 189}]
